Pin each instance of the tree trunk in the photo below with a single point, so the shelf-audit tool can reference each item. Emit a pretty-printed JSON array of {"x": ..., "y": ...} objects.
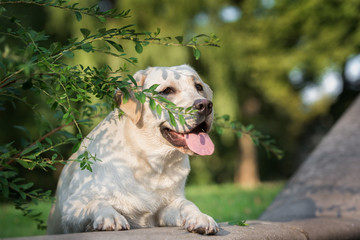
[{"x": 247, "y": 174}]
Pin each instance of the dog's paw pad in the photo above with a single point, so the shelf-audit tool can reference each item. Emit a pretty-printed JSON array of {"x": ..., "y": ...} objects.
[
  {"x": 201, "y": 223},
  {"x": 110, "y": 220}
]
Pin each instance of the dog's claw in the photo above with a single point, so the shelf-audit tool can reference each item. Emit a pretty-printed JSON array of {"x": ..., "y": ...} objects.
[{"x": 201, "y": 223}]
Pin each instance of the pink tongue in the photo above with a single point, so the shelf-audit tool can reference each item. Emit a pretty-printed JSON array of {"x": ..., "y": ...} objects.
[{"x": 199, "y": 143}]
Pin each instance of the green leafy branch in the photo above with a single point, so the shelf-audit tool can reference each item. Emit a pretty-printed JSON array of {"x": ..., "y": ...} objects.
[
  {"x": 241, "y": 223},
  {"x": 94, "y": 10},
  {"x": 258, "y": 138},
  {"x": 159, "y": 104},
  {"x": 86, "y": 159}
]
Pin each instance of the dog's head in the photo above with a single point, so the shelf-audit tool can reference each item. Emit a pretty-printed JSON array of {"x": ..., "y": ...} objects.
[{"x": 182, "y": 86}]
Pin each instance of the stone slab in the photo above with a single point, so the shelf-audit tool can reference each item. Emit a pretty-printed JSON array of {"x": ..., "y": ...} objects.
[
  {"x": 328, "y": 183},
  {"x": 319, "y": 228}
]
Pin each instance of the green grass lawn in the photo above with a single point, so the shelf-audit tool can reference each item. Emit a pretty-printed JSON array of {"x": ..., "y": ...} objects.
[{"x": 226, "y": 202}]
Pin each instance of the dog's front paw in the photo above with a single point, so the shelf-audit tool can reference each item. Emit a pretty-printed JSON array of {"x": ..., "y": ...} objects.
[
  {"x": 109, "y": 220},
  {"x": 200, "y": 223}
]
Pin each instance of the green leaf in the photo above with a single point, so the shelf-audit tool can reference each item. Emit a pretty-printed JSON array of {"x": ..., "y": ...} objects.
[
  {"x": 255, "y": 141},
  {"x": 76, "y": 147},
  {"x": 202, "y": 35},
  {"x": 141, "y": 97},
  {"x": 63, "y": 78},
  {"x": 238, "y": 134},
  {"x": 132, "y": 80},
  {"x": 172, "y": 119},
  {"x": 69, "y": 119},
  {"x": 55, "y": 47},
  {"x": 196, "y": 53},
  {"x": 8, "y": 174},
  {"x": 87, "y": 47},
  {"x": 226, "y": 117},
  {"x": 182, "y": 120},
  {"x": 54, "y": 106},
  {"x": 2, "y": 9},
  {"x": 66, "y": 115},
  {"x": 23, "y": 163},
  {"x": 187, "y": 110},
  {"x": 102, "y": 19},
  {"x": 241, "y": 223},
  {"x": 153, "y": 87},
  {"x": 26, "y": 185},
  {"x": 68, "y": 54},
  {"x": 157, "y": 31},
  {"x": 126, "y": 97},
  {"x": 28, "y": 163},
  {"x": 152, "y": 104},
  {"x": 180, "y": 39},
  {"x": 78, "y": 16},
  {"x": 158, "y": 109},
  {"x": 39, "y": 145},
  {"x": 48, "y": 140},
  {"x": 162, "y": 99},
  {"x": 219, "y": 130},
  {"x": 102, "y": 31},
  {"x": 133, "y": 59},
  {"x": 85, "y": 32},
  {"x": 249, "y": 127},
  {"x": 23, "y": 195},
  {"x": 117, "y": 46},
  {"x": 138, "y": 47},
  {"x": 29, "y": 149}
]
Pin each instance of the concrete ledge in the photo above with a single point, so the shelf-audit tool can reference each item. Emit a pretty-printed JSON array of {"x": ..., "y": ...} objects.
[
  {"x": 294, "y": 230},
  {"x": 328, "y": 183}
]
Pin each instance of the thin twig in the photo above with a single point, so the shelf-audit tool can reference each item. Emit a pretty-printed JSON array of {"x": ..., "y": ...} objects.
[{"x": 38, "y": 140}]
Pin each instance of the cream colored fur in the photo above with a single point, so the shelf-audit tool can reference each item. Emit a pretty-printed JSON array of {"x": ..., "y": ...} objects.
[{"x": 140, "y": 179}]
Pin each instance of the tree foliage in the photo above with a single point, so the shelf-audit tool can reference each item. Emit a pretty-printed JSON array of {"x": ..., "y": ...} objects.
[{"x": 31, "y": 65}]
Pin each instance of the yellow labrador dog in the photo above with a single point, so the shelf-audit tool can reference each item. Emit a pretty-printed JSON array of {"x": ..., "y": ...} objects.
[{"x": 140, "y": 179}]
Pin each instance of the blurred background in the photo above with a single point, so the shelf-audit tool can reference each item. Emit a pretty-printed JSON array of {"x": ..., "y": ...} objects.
[{"x": 289, "y": 67}]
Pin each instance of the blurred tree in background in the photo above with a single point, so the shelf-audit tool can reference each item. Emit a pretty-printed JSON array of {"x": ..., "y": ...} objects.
[{"x": 287, "y": 67}]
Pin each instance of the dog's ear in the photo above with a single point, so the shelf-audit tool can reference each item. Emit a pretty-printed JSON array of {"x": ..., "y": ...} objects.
[{"x": 132, "y": 107}]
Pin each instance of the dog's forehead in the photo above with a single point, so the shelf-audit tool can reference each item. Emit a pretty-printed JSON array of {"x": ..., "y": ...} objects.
[{"x": 162, "y": 74}]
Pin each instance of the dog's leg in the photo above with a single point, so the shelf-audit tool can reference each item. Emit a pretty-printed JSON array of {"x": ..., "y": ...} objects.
[
  {"x": 94, "y": 216},
  {"x": 182, "y": 212}
]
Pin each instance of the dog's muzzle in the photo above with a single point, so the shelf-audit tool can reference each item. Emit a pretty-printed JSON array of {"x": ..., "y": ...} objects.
[{"x": 197, "y": 139}]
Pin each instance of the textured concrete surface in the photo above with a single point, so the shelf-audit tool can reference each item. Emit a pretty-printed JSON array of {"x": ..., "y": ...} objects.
[
  {"x": 328, "y": 183},
  {"x": 320, "y": 228},
  {"x": 321, "y": 201}
]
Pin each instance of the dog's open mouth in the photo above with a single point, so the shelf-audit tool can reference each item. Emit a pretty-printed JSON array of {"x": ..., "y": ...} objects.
[{"x": 197, "y": 140}]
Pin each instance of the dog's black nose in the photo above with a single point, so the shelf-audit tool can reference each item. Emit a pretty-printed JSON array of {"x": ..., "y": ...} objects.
[{"x": 204, "y": 106}]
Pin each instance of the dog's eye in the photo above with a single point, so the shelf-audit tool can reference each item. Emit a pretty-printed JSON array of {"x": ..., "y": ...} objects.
[
  {"x": 167, "y": 91},
  {"x": 199, "y": 87}
]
